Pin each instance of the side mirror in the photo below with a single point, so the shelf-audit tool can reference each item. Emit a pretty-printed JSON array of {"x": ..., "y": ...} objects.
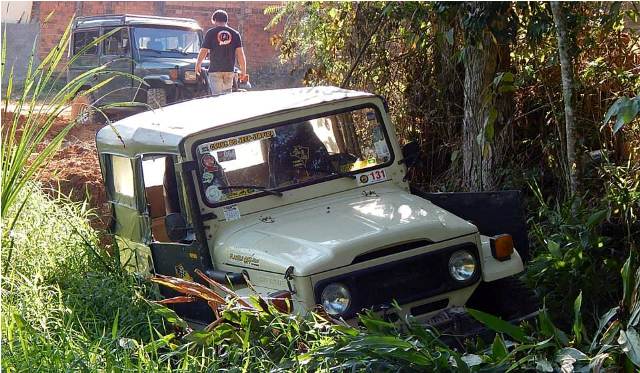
[
  {"x": 176, "y": 227},
  {"x": 411, "y": 154}
]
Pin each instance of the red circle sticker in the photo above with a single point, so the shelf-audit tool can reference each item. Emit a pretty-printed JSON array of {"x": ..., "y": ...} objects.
[{"x": 209, "y": 163}]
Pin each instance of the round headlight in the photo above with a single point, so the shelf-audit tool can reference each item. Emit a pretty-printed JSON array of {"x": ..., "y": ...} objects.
[
  {"x": 335, "y": 299},
  {"x": 462, "y": 265}
]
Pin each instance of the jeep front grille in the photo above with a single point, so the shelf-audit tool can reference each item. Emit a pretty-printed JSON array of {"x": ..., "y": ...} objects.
[
  {"x": 390, "y": 251},
  {"x": 406, "y": 280}
]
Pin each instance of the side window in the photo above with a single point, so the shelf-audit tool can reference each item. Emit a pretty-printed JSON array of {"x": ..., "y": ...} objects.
[
  {"x": 82, "y": 38},
  {"x": 122, "y": 183},
  {"x": 116, "y": 44}
]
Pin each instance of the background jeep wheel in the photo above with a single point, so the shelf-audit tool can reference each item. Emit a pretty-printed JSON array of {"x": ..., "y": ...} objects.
[
  {"x": 156, "y": 97},
  {"x": 82, "y": 110}
]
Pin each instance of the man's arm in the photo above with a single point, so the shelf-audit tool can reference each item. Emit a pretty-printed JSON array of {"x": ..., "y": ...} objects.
[
  {"x": 201, "y": 57},
  {"x": 242, "y": 62}
]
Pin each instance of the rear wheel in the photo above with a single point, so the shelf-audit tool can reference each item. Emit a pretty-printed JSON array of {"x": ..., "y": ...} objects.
[
  {"x": 156, "y": 97},
  {"x": 82, "y": 110}
]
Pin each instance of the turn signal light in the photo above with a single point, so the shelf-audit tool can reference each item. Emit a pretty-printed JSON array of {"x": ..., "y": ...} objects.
[
  {"x": 502, "y": 247},
  {"x": 190, "y": 76},
  {"x": 282, "y": 301},
  {"x": 173, "y": 74}
]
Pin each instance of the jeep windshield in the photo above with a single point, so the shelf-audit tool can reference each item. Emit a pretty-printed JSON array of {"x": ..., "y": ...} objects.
[
  {"x": 168, "y": 42},
  {"x": 292, "y": 155}
]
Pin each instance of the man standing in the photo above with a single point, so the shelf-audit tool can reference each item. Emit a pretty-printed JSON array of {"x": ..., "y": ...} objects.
[{"x": 224, "y": 46}]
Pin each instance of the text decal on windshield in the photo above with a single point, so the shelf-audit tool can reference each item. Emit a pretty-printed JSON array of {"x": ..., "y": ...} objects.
[
  {"x": 371, "y": 177},
  {"x": 226, "y": 143}
]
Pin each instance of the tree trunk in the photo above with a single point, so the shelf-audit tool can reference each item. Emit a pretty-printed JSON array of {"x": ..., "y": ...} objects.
[
  {"x": 567, "y": 93},
  {"x": 479, "y": 69},
  {"x": 446, "y": 77}
]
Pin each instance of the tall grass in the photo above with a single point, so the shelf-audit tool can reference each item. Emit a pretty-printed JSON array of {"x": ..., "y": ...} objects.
[{"x": 61, "y": 294}]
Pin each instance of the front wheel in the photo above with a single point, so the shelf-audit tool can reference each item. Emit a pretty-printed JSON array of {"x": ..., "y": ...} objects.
[
  {"x": 156, "y": 98},
  {"x": 82, "y": 110}
]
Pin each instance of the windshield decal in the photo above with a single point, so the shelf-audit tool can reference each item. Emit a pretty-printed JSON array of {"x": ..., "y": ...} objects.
[
  {"x": 226, "y": 143},
  {"x": 372, "y": 177},
  {"x": 231, "y": 212},
  {"x": 213, "y": 193}
]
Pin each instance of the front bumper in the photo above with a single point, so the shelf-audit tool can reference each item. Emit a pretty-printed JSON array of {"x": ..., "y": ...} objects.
[{"x": 454, "y": 325}]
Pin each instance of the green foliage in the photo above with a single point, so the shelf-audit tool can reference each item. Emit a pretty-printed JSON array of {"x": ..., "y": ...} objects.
[
  {"x": 412, "y": 53},
  {"x": 65, "y": 303},
  {"x": 544, "y": 347},
  {"x": 625, "y": 110},
  {"x": 570, "y": 252}
]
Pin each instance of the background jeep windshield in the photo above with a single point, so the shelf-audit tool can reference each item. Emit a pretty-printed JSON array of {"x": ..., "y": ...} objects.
[
  {"x": 153, "y": 40},
  {"x": 291, "y": 155}
]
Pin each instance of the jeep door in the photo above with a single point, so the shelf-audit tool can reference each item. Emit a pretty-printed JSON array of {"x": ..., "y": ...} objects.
[
  {"x": 116, "y": 55},
  {"x": 128, "y": 223}
]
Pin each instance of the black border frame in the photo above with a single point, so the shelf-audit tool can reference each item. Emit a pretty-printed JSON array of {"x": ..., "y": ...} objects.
[{"x": 197, "y": 143}]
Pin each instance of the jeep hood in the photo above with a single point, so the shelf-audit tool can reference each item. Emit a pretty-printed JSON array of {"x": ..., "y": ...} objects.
[{"x": 330, "y": 232}]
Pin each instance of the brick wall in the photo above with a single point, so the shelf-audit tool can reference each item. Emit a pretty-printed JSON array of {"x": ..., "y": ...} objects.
[{"x": 245, "y": 16}]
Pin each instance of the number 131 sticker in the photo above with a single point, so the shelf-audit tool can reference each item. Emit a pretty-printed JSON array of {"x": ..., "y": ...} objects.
[{"x": 371, "y": 177}]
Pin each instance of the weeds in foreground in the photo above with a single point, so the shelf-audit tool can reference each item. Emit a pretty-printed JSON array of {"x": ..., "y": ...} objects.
[{"x": 68, "y": 306}]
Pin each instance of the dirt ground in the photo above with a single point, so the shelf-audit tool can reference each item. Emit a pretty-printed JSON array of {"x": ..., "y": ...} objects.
[{"x": 74, "y": 170}]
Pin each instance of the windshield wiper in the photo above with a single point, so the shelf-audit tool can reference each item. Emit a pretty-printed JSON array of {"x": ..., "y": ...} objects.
[
  {"x": 336, "y": 172},
  {"x": 256, "y": 187},
  {"x": 344, "y": 174},
  {"x": 178, "y": 50},
  {"x": 151, "y": 50}
]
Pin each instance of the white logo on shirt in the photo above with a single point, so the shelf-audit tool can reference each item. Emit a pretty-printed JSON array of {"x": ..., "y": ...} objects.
[{"x": 224, "y": 37}]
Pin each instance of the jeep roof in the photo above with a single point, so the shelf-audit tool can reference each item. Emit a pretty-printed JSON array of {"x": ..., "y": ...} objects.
[
  {"x": 133, "y": 19},
  {"x": 162, "y": 130}
]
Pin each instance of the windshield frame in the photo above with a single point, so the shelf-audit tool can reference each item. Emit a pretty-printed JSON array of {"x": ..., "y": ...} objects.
[
  {"x": 379, "y": 117},
  {"x": 165, "y": 53}
]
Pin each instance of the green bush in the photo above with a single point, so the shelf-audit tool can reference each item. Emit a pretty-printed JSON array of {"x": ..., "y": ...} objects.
[
  {"x": 571, "y": 256},
  {"x": 65, "y": 303}
]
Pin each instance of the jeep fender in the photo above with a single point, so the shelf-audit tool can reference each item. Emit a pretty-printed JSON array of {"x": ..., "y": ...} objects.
[
  {"x": 83, "y": 88},
  {"x": 158, "y": 81},
  {"x": 493, "y": 269}
]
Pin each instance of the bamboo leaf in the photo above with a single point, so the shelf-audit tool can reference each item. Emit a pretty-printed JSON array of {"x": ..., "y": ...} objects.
[
  {"x": 114, "y": 327},
  {"x": 630, "y": 342},
  {"x": 602, "y": 323},
  {"x": 498, "y": 348},
  {"x": 627, "y": 285},
  {"x": 577, "y": 319},
  {"x": 498, "y": 325}
]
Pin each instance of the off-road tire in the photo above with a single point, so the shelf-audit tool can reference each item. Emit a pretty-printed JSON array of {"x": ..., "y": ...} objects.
[
  {"x": 82, "y": 110},
  {"x": 156, "y": 97},
  {"x": 508, "y": 298}
]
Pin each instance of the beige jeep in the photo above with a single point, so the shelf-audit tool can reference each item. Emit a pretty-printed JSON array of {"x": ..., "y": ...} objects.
[{"x": 304, "y": 192}]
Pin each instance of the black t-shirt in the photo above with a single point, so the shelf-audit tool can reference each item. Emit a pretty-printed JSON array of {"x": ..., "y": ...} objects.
[{"x": 222, "y": 42}]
